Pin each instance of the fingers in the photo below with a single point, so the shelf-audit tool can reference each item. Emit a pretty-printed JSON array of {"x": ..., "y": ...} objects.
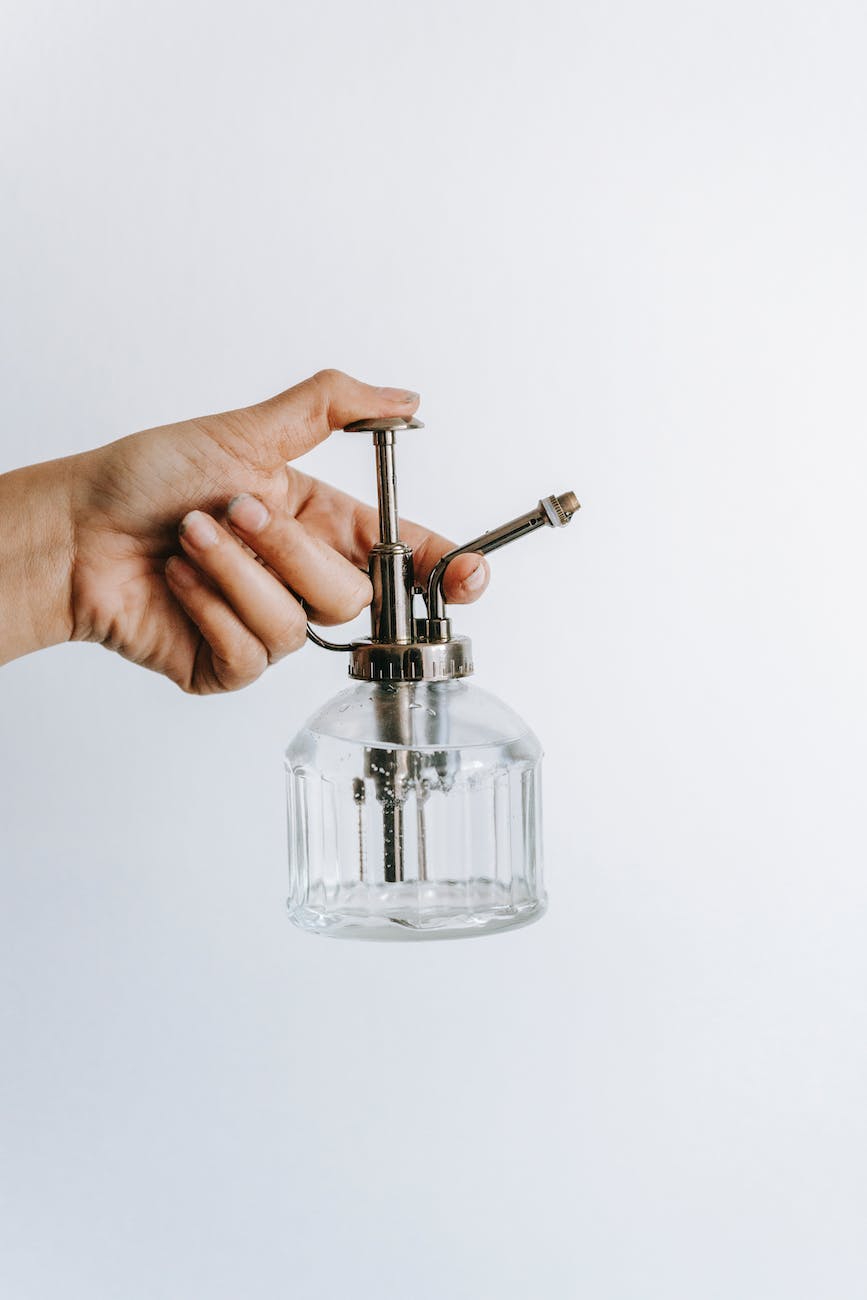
[
  {"x": 245, "y": 613},
  {"x": 270, "y": 614},
  {"x": 466, "y": 578},
  {"x": 237, "y": 657},
  {"x": 352, "y": 528},
  {"x": 333, "y": 589},
  {"x": 293, "y": 422}
]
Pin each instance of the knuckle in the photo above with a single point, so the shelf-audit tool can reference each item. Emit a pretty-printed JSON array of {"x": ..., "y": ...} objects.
[
  {"x": 288, "y": 638},
  {"x": 287, "y": 545},
  {"x": 328, "y": 378},
  {"x": 342, "y": 605},
  {"x": 424, "y": 556},
  {"x": 326, "y": 386},
  {"x": 356, "y": 600},
  {"x": 241, "y": 669},
  {"x": 318, "y": 393}
]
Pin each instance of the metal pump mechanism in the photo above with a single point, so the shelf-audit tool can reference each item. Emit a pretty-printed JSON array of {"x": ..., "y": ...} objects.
[{"x": 401, "y": 647}]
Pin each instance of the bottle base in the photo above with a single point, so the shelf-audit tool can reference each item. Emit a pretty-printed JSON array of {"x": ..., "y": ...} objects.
[{"x": 412, "y": 911}]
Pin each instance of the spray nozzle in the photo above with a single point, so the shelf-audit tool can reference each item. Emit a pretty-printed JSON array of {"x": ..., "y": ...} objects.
[{"x": 402, "y": 647}]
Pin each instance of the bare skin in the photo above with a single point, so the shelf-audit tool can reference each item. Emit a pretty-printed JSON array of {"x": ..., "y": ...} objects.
[{"x": 189, "y": 548}]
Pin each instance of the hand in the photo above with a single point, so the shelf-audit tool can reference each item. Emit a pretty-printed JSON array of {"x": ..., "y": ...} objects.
[{"x": 213, "y": 617}]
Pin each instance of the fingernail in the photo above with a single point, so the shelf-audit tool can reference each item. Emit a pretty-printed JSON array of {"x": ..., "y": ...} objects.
[
  {"x": 248, "y": 512},
  {"x": 198, "y": 530},
  {"x": 477, "y": 578},
  {"x": 403, "y": 395},
  {"x": 181, "y": 574}
]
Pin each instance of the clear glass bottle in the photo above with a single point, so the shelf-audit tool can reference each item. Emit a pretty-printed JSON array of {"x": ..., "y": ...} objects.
[
  {"x": 414, "y": 813},
  {"x": 414, "y": 798}
]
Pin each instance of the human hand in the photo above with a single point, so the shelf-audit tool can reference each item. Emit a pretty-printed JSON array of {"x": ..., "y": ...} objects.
[{"x": 212, "y": 617}]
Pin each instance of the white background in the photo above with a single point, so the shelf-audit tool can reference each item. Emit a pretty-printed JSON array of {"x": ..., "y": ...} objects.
[{"x": 619, "y": 247}]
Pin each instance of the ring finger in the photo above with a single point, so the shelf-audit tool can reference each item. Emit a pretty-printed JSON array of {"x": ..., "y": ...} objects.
[{"x": 261, "y": 602}]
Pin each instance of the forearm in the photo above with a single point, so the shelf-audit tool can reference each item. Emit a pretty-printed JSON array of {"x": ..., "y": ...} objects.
[{"x": 36, "y": 556}]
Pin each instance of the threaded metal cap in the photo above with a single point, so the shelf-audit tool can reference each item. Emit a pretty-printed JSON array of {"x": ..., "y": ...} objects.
[{"x": 560, "y": 509}]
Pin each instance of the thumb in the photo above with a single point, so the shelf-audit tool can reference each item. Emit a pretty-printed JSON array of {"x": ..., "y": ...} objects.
[{"x": 297, "y": 420}]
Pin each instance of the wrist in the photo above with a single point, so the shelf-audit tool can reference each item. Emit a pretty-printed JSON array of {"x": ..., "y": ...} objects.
[{"x": 37, "y": 543}]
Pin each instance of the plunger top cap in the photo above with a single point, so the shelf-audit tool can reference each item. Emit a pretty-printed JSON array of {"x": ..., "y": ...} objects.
[{"x": 388, "y": 424}]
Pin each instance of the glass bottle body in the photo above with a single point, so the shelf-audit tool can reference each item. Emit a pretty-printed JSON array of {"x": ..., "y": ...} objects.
[{"x": 414, "y": 812}]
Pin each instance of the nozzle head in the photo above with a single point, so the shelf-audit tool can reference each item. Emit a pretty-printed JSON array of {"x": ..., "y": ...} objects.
[{"x": 560, "y": 509}]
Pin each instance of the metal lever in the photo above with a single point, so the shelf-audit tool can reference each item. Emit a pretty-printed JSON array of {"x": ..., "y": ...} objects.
[{"x": 328, "y": 645}]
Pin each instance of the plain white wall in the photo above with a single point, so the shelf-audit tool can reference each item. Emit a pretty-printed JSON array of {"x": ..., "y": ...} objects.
[{"x": 618, "y": 247}]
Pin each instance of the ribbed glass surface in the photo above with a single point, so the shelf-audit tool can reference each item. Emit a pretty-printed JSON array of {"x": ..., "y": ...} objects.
[{"x": 414, "y": 812}]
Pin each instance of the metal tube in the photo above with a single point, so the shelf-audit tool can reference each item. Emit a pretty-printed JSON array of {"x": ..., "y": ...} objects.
[
  {"x": 554, "y": 511},
  {"x": 392, "y": 842},
  {"x": 391, "y": 575},
  {"x": 386, "y": 485},
  {"x": 391, "y": 770}
]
